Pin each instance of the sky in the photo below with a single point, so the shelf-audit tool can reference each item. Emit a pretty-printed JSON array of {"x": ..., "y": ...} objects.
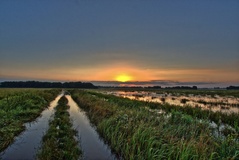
[{"x": 120, "y": 40}]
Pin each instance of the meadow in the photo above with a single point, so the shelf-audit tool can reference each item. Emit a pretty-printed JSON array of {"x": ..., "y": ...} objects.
[{"x": 132, "y": 127}]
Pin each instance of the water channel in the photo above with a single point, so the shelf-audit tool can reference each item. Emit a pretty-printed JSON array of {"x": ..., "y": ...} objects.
[
  {"x": 28, "y": 142},
  {"x": 92, "y": 146}
]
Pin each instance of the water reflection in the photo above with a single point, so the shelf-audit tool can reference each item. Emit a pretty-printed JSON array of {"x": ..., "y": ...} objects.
[
  {"x": 92, "y": 146},
  {"x": 227, "y": 104},
  {"x": 27, "y": 143}
]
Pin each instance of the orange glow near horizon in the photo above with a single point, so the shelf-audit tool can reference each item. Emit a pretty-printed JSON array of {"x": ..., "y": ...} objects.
[
  {"x": 124, "y": 72},
  {"x": 117, "y": 72},
  {"x": 123, "y": 78}
]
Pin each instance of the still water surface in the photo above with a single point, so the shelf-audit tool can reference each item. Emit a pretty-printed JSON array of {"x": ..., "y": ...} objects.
[{"x": 224, "y": 104}]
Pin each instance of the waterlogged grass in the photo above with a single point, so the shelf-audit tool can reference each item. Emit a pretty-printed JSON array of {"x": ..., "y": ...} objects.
[
  {"x": 134, "y": 132},
  {"x": 18, "y": 106},
  {"x": 177, "y": 92},
  {"x": 60, "y": 142},
  {"x": 196, "y": 112},
  {"x": 203, "y": 92}
]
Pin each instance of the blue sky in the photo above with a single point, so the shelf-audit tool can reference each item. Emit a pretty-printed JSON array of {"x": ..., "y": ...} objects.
[{"x": 97, "y": 40}]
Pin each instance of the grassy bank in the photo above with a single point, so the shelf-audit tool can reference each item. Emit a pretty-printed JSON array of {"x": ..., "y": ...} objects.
[
  {"x": 59, "y": 141},
  {"x": 18, "y": 106},
  {"x": 195, "y": 112},
  {"x": 134, "y": 132}
]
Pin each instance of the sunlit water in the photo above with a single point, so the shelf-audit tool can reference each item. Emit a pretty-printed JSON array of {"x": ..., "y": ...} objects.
[
  {"x": 92, "y": 146},
  {"x": 28, "y": 142},
  {"x": 217, "y": 103}
]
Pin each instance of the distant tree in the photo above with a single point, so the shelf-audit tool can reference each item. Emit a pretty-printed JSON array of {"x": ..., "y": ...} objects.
[
  {"x": 154, "y": 87},
  {"x": 233, "y": 88},
  {"x": 182, "y": 87},
  {"x": 195, "y": 87},
  {"x": 36, "y": 84}
]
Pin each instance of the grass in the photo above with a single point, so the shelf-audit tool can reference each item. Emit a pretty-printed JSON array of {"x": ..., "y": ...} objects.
[
  {"x": 60, "y": 140},
  {"x": 134, "y": 132},
  {"x": 196, "y": 112},
  {"x": 18, "y": 106},
  {"x": 202, "y": 92}
]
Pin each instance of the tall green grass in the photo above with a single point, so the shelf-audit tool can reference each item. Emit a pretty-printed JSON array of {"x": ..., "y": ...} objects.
[
  {"x": 60, "y": 142},
  {"x": 134, "y": 132},
  {"x": 196, "y": 112},
  {"x": 18, "y": 106}
]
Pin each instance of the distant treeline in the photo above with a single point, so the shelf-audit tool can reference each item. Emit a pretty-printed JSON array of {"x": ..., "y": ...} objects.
[
  {"x": 36, "y": 84},
  {"x": 151, "y": 87},
  {"x": 232, "y": 87},
  {"x": 182, "y": 87}
]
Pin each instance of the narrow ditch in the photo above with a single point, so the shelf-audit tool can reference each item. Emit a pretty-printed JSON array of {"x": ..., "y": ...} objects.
[
  {"x": 28, "y": 142},
  {"x": 92, "y": 146}
]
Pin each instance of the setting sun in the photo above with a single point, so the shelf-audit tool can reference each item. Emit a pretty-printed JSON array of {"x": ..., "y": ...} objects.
[{"x": 123, "y": 78}]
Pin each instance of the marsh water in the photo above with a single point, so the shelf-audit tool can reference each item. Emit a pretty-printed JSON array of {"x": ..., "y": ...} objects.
[
  {"x": 225, "y": 104},
  {"x": 28, "y": 142},
  {"x": 92, "y": 146}
]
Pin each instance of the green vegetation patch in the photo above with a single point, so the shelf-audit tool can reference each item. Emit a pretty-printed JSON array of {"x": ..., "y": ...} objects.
[
  {"x": 60, "y": 140},
  {"x": 135, "y": 132},
  {"x": 196, "y": 112},
  {"x": 18, "y": 106}
]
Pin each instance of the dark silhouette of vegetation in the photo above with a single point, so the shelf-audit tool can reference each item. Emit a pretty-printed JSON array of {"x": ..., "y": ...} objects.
[
  {"x": 122, "y": 87},
  {"x": 182, "y": 87},
  {"x": 150, "y": 87},
  {"x": 37, "y": 84},
  {"x": 155, "y": 87},
  {"x": 232, "y": 87},
  {"x": 163, "y": 99},
  {"x": 184, "y": 100}
]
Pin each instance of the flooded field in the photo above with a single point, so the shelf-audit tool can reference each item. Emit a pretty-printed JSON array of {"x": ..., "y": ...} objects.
[
  {"x": 138, "y": 128},
  {"x": 27, "y": 143},
  {"x": 225, "y": 104},
  {"x": 110, "y": 125}
]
